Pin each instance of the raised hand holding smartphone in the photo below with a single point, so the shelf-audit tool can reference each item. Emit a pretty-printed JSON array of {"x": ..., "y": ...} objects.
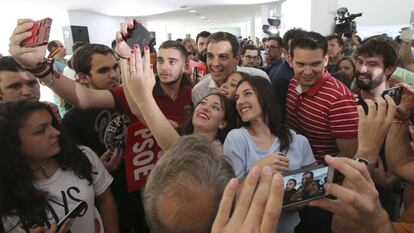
[{"x": 28, "y": 57}]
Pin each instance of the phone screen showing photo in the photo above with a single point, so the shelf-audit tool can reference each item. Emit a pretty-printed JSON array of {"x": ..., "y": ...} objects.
[{"x": 305, "y": 184}]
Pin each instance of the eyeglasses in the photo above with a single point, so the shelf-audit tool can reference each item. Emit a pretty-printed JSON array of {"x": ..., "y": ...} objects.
[
  {"x": 272, "y": 47},
  {"x": 251, "y": 57}
]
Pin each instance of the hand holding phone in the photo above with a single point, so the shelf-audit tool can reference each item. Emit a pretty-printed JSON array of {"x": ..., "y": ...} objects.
[
  {"x": 304, "y": 185},
  {"x": 73, "y": 213},
  {"x": 138, "y": 34},
  {"x": 395, "y": 93},
  {"x": 40, "y": 33}
]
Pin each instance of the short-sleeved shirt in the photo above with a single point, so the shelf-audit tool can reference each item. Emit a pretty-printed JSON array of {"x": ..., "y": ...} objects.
[
  {"x": 323, "y": 113},
  {"x": 178, "y": 109},
  {"x": 65, "y": 190},
  {"x": 243, "y": 153}
]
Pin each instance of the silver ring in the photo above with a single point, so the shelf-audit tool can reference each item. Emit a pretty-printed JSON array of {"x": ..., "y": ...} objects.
[{"x": 132, "y": 71}]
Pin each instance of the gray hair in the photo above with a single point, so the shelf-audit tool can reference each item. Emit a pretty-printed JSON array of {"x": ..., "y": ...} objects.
[{"x": 190, "y": 166}]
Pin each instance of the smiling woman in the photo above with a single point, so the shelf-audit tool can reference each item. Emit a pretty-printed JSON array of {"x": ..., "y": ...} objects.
[{"x": 264, "y": 140}]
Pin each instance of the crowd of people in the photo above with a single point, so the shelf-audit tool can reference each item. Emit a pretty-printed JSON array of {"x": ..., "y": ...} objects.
[{"x": 228, "y": 137}]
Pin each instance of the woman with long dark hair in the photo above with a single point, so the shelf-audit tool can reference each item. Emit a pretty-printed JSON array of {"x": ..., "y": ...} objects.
[
  {"x": 264, "y": 140},
  {"x": 43, "y": 175}
]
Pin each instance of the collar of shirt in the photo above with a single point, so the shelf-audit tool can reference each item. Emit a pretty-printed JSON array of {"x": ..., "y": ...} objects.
[
  {"x": 213, "y": 85},
  {"x": 316, "y": 87},
  {"x": 158, "y": 90}
]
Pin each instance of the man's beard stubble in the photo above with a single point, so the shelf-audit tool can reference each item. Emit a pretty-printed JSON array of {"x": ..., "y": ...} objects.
[{"x": 372, "y": 83}]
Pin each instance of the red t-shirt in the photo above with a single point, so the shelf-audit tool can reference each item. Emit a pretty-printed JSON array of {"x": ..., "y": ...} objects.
[{"x": 323, "y": 113}]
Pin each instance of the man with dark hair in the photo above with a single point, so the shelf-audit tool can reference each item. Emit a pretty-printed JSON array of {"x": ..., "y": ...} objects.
[
  {"x": 273, "y": 49},
  {"x": 377, "y": 58},
  {"x": 280, "y": 72},
  {"x": 335, "y": 48},
  {"x": 332, "y": 129},
  {"x": 223, "y": 55},
  {"x": 201, "y": 43},
  {"x": 18, "y": 84},
  {"x": 249, "y": 56},
  {"x": 96, "y": 66},
  {"x": 322, "y": 109}
]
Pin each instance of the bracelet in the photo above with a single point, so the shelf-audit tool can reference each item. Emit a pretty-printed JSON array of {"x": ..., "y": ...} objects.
[
  {"x": 43, "y": 69},
  {"x": 49, "y": 83}
]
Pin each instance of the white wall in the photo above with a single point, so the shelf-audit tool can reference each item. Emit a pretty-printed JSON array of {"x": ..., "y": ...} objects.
[
  {"x": 323, "y": 13},
  {"x": 10, "y": 12},
  {"x": 296, "y": 13},
  {"x": 101, "y": 28}
]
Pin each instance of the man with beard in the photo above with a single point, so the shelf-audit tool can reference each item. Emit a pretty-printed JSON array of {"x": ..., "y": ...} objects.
[
  {"x": 201, "y": 43},
  {"x": 377, "y": 58}
]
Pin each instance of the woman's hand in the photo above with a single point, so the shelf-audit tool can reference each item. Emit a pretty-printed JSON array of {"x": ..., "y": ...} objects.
[
  {"x": 138, "y": 75},
  {"x": 277, "y": 162},
  {"x": 65, "y": 227}
]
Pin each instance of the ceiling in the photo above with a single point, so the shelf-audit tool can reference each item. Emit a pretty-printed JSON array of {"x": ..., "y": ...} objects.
[{"x": 142, "y": 7}]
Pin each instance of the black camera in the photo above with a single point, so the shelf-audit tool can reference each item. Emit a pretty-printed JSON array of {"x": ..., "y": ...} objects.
[{"x": 345, "y": 24}]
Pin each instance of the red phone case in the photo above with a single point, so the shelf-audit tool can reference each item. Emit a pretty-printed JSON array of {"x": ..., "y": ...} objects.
[{"x": 40, "y": 33}]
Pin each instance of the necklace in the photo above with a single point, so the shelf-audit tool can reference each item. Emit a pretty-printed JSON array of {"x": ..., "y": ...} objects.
[{"x": 42, "y": 168}]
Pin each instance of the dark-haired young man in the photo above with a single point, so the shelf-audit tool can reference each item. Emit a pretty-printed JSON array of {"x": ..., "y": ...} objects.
[
  {"x": 201, "y": 43},
  {"x": 249, "y": 56},
  {"x": 322, "y": 109},
  {"x": 335, "y": 48},
  {"x": 18, "y": 84},
  {"x": 377, "y": 58}
]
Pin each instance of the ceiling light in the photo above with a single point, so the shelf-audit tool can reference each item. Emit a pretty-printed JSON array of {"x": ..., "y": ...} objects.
[
  {"x": 192, "y": 11},
  {"x": 203, "y": 17}
]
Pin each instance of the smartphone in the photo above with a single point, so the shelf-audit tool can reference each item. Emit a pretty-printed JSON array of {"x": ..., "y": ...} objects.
[
  {"x": 139, "y": 35},
  {"x": 73, "y": 213},
  {"x": 40, "y": 33},
  {"x": 395, "y": 93},
  {"x": 304, "y": 185}
]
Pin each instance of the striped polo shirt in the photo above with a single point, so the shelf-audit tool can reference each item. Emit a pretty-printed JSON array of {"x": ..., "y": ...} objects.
[{"x": 323, "y": 113}]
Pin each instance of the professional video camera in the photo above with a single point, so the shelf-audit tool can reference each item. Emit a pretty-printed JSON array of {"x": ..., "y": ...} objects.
[{"x": 345, "y": 24}]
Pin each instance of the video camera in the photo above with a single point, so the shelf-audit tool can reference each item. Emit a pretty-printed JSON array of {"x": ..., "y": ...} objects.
[{"x": 345, "y": 24}]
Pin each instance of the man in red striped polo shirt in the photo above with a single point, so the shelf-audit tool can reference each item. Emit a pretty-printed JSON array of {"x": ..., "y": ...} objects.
[
  {"x": 323, "y": 110},
  {"x": 319, "y": 106}
]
